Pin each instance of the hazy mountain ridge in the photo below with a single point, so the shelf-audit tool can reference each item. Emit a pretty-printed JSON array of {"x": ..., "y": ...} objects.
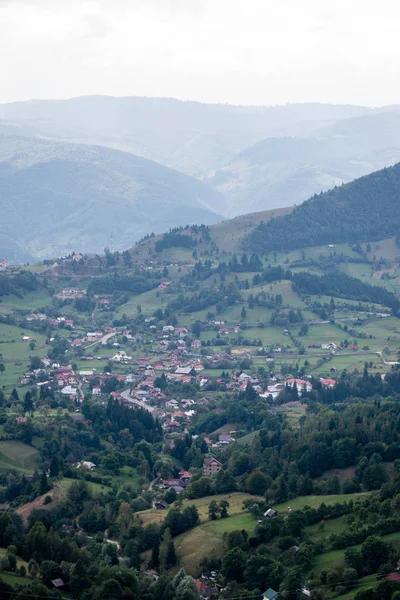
[
  {"x": 287, "y": 170},
  {"x": 254, "y": 158},
  {"x": 176, "y": 133},
  {"x": 56, "y": 197}
]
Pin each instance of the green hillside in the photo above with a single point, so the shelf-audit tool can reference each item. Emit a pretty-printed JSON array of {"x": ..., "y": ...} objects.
[
  {"x": 123, "y": 375},
  {"x": 366, "y": 209}
]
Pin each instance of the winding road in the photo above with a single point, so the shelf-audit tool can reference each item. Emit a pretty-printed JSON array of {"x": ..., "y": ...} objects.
[{"x": 127, "y": 395}]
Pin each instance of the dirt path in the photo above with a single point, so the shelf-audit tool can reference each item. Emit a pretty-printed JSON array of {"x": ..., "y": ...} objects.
[{"x": 25, "y": 510}]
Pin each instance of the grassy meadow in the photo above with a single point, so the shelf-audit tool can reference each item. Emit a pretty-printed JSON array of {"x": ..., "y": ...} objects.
[{"x": 19, "y": 456}]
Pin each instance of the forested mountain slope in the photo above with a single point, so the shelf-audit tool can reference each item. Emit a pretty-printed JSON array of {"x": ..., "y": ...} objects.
[
  {"x": 366, "y": 209},
  {"x": 56, "y": 197},
  {"x": 283, "y": 171}
]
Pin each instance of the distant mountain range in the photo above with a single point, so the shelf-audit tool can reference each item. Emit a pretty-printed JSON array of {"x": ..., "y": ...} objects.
[
  {"x": 282, "y": 171},
  {"x": 189, "y": 136},
  {"x": 73, "y": 172},
  {"x": 57, "y": 197}
]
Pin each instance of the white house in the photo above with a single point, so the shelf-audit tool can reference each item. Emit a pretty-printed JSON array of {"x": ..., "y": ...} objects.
[
  {"x": 69, "y": 391},
  {"x": 301, "y": 384},
  {"x": 273, "y": 390},
  {"x": 330, "y": 346},
  {"x": 85, "y": 464},
  {"x": 121, "y": 356}
]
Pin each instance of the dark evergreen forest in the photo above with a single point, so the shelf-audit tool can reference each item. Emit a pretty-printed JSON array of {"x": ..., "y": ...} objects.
[{"x": 363, "y": 210}]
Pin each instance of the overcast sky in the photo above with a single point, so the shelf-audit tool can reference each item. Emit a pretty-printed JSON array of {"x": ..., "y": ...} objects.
[{"x": 236, "y": 51}]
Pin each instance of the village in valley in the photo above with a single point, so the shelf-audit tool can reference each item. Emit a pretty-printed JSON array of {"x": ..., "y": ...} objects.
[
  {"x": 139, "y": 367},
  {"x": 212, "y": 349}
]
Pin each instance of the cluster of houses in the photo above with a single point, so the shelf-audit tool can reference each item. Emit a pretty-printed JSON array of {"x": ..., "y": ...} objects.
[
  {"x": 54, "y": 322},
  {"x": 71, "y": 293},
  {"x": 271, "y": 594},
  {"x": 164, "y": 283},
  {"x": 177, "y": 484},
  {"x": 62, "y": 379},
  {"x": 177, "y": 414},
  {"x": 303, "y": 385},
  {"x": 171, "y": 334},
  {"x": 121, "y": 357},
  {"x": 92, "y": 337},
  {"x": 211, "y": 467},
  {"x": 222, "y": 440},
  {"x": 67, "y": 381},
  {"x": 104, "y": 303},
  {"x": 329, "y": 346},
  {"x": 176, "y": 335},
  {"x": 36, "y": 317}
]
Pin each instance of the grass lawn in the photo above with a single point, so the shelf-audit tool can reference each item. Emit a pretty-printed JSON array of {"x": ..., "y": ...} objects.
[
  {"x": 95, "y": 488},
  {"x": 247, "y": 439},
  {"x": 14, "y": 580},
  {"x": 20, "y": 561},
  {"x": 293, "y": 414},
  {"x": 330, "y": 526},
  {"x": 16, "y": 354},
  {"x": 315, "y": 501},
  {"x": 130, "y": 475},
  {"x": 18, "y": 456},
  {"x": 363, "y": 583},
  {"x": 349, "y": 362},
  {"x": 221, "y": 526},
  {"x": 149, "y": 301},
  {"x": 235, "y": 500},
  {"x": 32, "y": 301},
  {"x": 207, "y": 539},
  {"x": 193, "y": 545},
  {"x": 329, "y": 560}
]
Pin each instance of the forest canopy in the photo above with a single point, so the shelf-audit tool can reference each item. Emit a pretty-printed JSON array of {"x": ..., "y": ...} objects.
[{"x": 365, "y": 209}]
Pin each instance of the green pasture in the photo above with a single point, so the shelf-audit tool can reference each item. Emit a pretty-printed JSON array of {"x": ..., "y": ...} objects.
[
  {"x": 16, "y": 354},
  {"x": 316, "y": 501},
  {"x": 335, "y": 558},
  {"x": 32, "y": 302},
  {"x": 17, "y": 455}
]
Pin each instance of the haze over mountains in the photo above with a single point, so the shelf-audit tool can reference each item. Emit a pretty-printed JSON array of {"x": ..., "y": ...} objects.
[
  {"x": 80, "y": 170},
  {"x": 57, "y": 196}
]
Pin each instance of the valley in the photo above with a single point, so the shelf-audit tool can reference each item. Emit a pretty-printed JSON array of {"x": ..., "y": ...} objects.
[
  {"x": 96, "y": 172},
  {"x": 199, "y": 300},
  {"x": 192, "y": 403}
]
